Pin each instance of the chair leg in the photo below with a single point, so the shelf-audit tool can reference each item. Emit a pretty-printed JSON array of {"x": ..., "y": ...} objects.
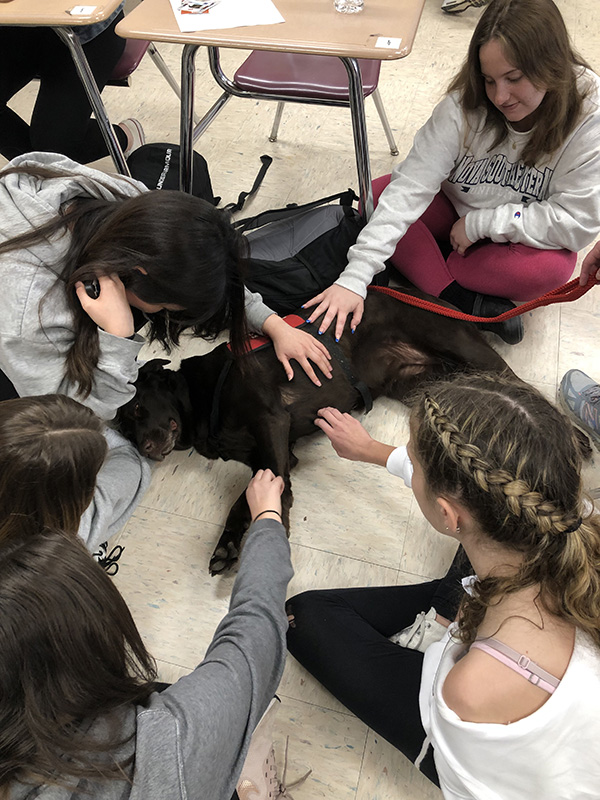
[
  {"x": 384, "y": 121},
  {"x": 162, "y": 67},
  {"x": 67, "y": 36},
  {"x": 276, "y": 122},
  {"x": 212, "y": 112}
]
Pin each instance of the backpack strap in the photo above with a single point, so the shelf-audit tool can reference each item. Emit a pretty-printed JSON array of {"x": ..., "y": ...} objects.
[
  {"x": 266, "y": 162},
  {"x": 274, "y": 214}
]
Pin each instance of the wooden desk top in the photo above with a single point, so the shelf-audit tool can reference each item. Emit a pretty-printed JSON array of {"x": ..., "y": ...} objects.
[
  {"x": 311, "y": 26},
  {"x": 53, "y": 12}
]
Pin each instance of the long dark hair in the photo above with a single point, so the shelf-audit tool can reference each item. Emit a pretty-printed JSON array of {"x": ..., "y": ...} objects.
[
  {"x": 534, "y": 39},
  {"x": 520, "y": 478},
  {"x": 71, "y": 663},
  {"x": 191, "y": 254},
  {"x": 51, "y": 449}
]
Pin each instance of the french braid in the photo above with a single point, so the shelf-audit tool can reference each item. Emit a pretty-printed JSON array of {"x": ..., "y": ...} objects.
[
  {"x": 520, "y": 500},
  {"x": 500, "y": 448}
]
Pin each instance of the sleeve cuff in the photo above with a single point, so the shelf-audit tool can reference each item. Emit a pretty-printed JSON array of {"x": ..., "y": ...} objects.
[{"x": 400, "y": 465}]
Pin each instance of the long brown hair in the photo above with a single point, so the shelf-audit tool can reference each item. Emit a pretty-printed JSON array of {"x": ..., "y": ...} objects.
[
  {"x": 71, "y": 664},
  {"x": 191, "y": 256},
  {"x": 499, "y": 448},
  {"x": 51, "y": 449},
  {"x": 534, "y": 39}
]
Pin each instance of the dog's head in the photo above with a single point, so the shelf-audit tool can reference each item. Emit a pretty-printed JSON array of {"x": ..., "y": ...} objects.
[{"x": 157, "y": 418}]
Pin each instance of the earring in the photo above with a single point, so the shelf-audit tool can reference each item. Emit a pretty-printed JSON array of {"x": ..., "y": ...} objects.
[{"x": 457, "y": 531}]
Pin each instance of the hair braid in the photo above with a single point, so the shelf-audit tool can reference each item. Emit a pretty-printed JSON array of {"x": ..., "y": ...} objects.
[
  {"x": 520, "y": 500},
  {"x": 499, "y": 448}
]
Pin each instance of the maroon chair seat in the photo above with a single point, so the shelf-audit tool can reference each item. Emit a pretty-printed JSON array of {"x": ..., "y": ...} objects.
[
  {"x": 135, "y": 50},
  {"x": 302, "y": 76}
]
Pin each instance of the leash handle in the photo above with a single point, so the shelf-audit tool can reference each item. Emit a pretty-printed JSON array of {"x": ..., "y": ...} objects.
[{"x": 562, "y": 294}]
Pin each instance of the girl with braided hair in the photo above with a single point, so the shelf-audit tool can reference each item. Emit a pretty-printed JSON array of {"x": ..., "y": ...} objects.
[{"x": 506, "y": 704}]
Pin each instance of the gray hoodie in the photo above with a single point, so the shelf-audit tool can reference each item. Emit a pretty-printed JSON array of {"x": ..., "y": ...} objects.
[
  {"x": 36, "y": 325},
  {"x": 190, "y": 741},
  {"x": 35, "y": 336}
]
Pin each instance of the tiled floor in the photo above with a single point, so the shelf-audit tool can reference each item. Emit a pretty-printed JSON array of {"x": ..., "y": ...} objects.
[{"x": 351, "y": 525}]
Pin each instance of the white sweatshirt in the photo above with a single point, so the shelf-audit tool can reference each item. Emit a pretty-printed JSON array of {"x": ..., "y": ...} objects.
[
  {"x": 552, "y": 754},
  {"x": 552, "y": 205}
]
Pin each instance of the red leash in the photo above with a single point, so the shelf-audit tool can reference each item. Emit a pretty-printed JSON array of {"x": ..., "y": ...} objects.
[{"x": 562, "y": 294}]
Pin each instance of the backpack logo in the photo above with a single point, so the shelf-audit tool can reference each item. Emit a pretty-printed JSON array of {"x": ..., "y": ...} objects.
[{"x": 166, "y": 168}]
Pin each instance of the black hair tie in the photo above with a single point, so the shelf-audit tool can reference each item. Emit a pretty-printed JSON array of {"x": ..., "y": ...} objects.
[{"x": 575, "y": 526}]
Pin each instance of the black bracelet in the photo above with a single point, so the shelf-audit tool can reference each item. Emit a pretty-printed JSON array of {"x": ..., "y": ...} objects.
[{"x": 267, "y": 511}]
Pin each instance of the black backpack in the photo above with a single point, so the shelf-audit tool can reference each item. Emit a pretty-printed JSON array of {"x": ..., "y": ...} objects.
[
  {"x": 297, "y": 251},
  {"x": 157, "y": 166}
]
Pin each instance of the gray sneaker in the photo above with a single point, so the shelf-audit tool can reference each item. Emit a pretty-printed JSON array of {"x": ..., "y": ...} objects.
[
  {"x": 456, "y": 6},
  {"x": 579, "y": 397}
]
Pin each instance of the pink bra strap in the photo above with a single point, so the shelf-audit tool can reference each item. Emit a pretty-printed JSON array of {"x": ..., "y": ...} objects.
[{"x": 521, "y": 664}]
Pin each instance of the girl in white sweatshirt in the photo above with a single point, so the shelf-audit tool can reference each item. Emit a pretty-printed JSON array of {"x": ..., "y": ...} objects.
[{"x": 502, "y": 184}]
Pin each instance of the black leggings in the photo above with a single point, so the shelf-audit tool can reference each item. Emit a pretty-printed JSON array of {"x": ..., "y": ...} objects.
[
  {"x": 60, "y": 121},
  {"x": 341, "y": 637},
  {"x": 7, "y": 390}
]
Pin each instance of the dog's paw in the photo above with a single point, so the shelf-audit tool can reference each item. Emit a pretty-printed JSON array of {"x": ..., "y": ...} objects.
[{"x": 225, "y": 556}]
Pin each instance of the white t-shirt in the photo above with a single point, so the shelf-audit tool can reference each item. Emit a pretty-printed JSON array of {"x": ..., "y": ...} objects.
[{"x": 553, "y": 754}]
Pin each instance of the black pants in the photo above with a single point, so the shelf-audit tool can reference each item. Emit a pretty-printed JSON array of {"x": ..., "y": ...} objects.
[
  {"x": 60, "y": 122},
  {"x": 7, "y": 390},
  {"x": 340, "y": 637}
]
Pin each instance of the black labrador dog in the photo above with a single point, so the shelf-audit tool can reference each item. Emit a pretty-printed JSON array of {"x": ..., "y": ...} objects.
[{"x": 248, "y": 411}]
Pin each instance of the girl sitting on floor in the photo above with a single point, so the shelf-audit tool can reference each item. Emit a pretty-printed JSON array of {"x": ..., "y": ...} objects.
[
  {"x": 509, "y": 698},
  {"x": 81, "y": 715},
  {"x": 62, "y": 469},
  {"x": 502, "y": 185},
  {"x": 163, "y": 257}
]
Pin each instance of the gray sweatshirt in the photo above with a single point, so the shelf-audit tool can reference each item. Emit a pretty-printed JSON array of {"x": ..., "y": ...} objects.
[
  {"x": 551, "y": 205},
  {"x": 36, "y": 328},
  {"x": 190, "y": 741},
  {"x": 35, "y": 336}
]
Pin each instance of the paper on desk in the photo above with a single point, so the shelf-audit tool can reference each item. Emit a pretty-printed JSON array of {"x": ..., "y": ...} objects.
[{"x": 228, "y": 14}]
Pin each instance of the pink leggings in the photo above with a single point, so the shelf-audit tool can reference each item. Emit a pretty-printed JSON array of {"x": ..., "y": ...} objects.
[{"x": 501, "y": 269}]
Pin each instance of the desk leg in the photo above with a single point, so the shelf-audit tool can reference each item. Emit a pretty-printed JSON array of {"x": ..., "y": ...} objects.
[
  {"x": 359, "y": 128},
  {"x": 186, "y": 122},
  {"x": 89, "y": 84}
]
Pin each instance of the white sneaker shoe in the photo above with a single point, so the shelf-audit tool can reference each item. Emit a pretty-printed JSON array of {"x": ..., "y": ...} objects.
[
  {"x": 259, "y": 779},
  {"x": 135, "y": 135},
  {"x": 424, "y": 631},
  {"x": 456, "y": 6}
]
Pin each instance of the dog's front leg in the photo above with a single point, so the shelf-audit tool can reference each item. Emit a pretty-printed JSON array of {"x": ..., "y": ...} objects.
[
  {"x": 228, "y": 547},
  {"x": 270, "y": 452}
]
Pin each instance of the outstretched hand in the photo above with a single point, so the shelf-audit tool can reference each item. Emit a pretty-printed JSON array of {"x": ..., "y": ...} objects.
[
  {"x": 349, "y": 438},
  {"x": 264, "y": 495},
  {"x": 293, "y": 343},
  {"x": 336, "y": 303},
  {"x": 110, "y": 310}
]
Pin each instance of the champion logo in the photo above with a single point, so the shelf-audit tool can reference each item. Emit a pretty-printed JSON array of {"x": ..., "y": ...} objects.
[{"x": 517, "y": 215}]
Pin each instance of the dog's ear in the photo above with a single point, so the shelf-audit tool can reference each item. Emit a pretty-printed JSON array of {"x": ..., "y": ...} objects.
[{"x": 154, "y": 365}]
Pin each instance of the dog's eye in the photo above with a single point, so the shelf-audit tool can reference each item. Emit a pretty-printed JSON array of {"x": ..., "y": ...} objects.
[{"x": 137, "y": 410}]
